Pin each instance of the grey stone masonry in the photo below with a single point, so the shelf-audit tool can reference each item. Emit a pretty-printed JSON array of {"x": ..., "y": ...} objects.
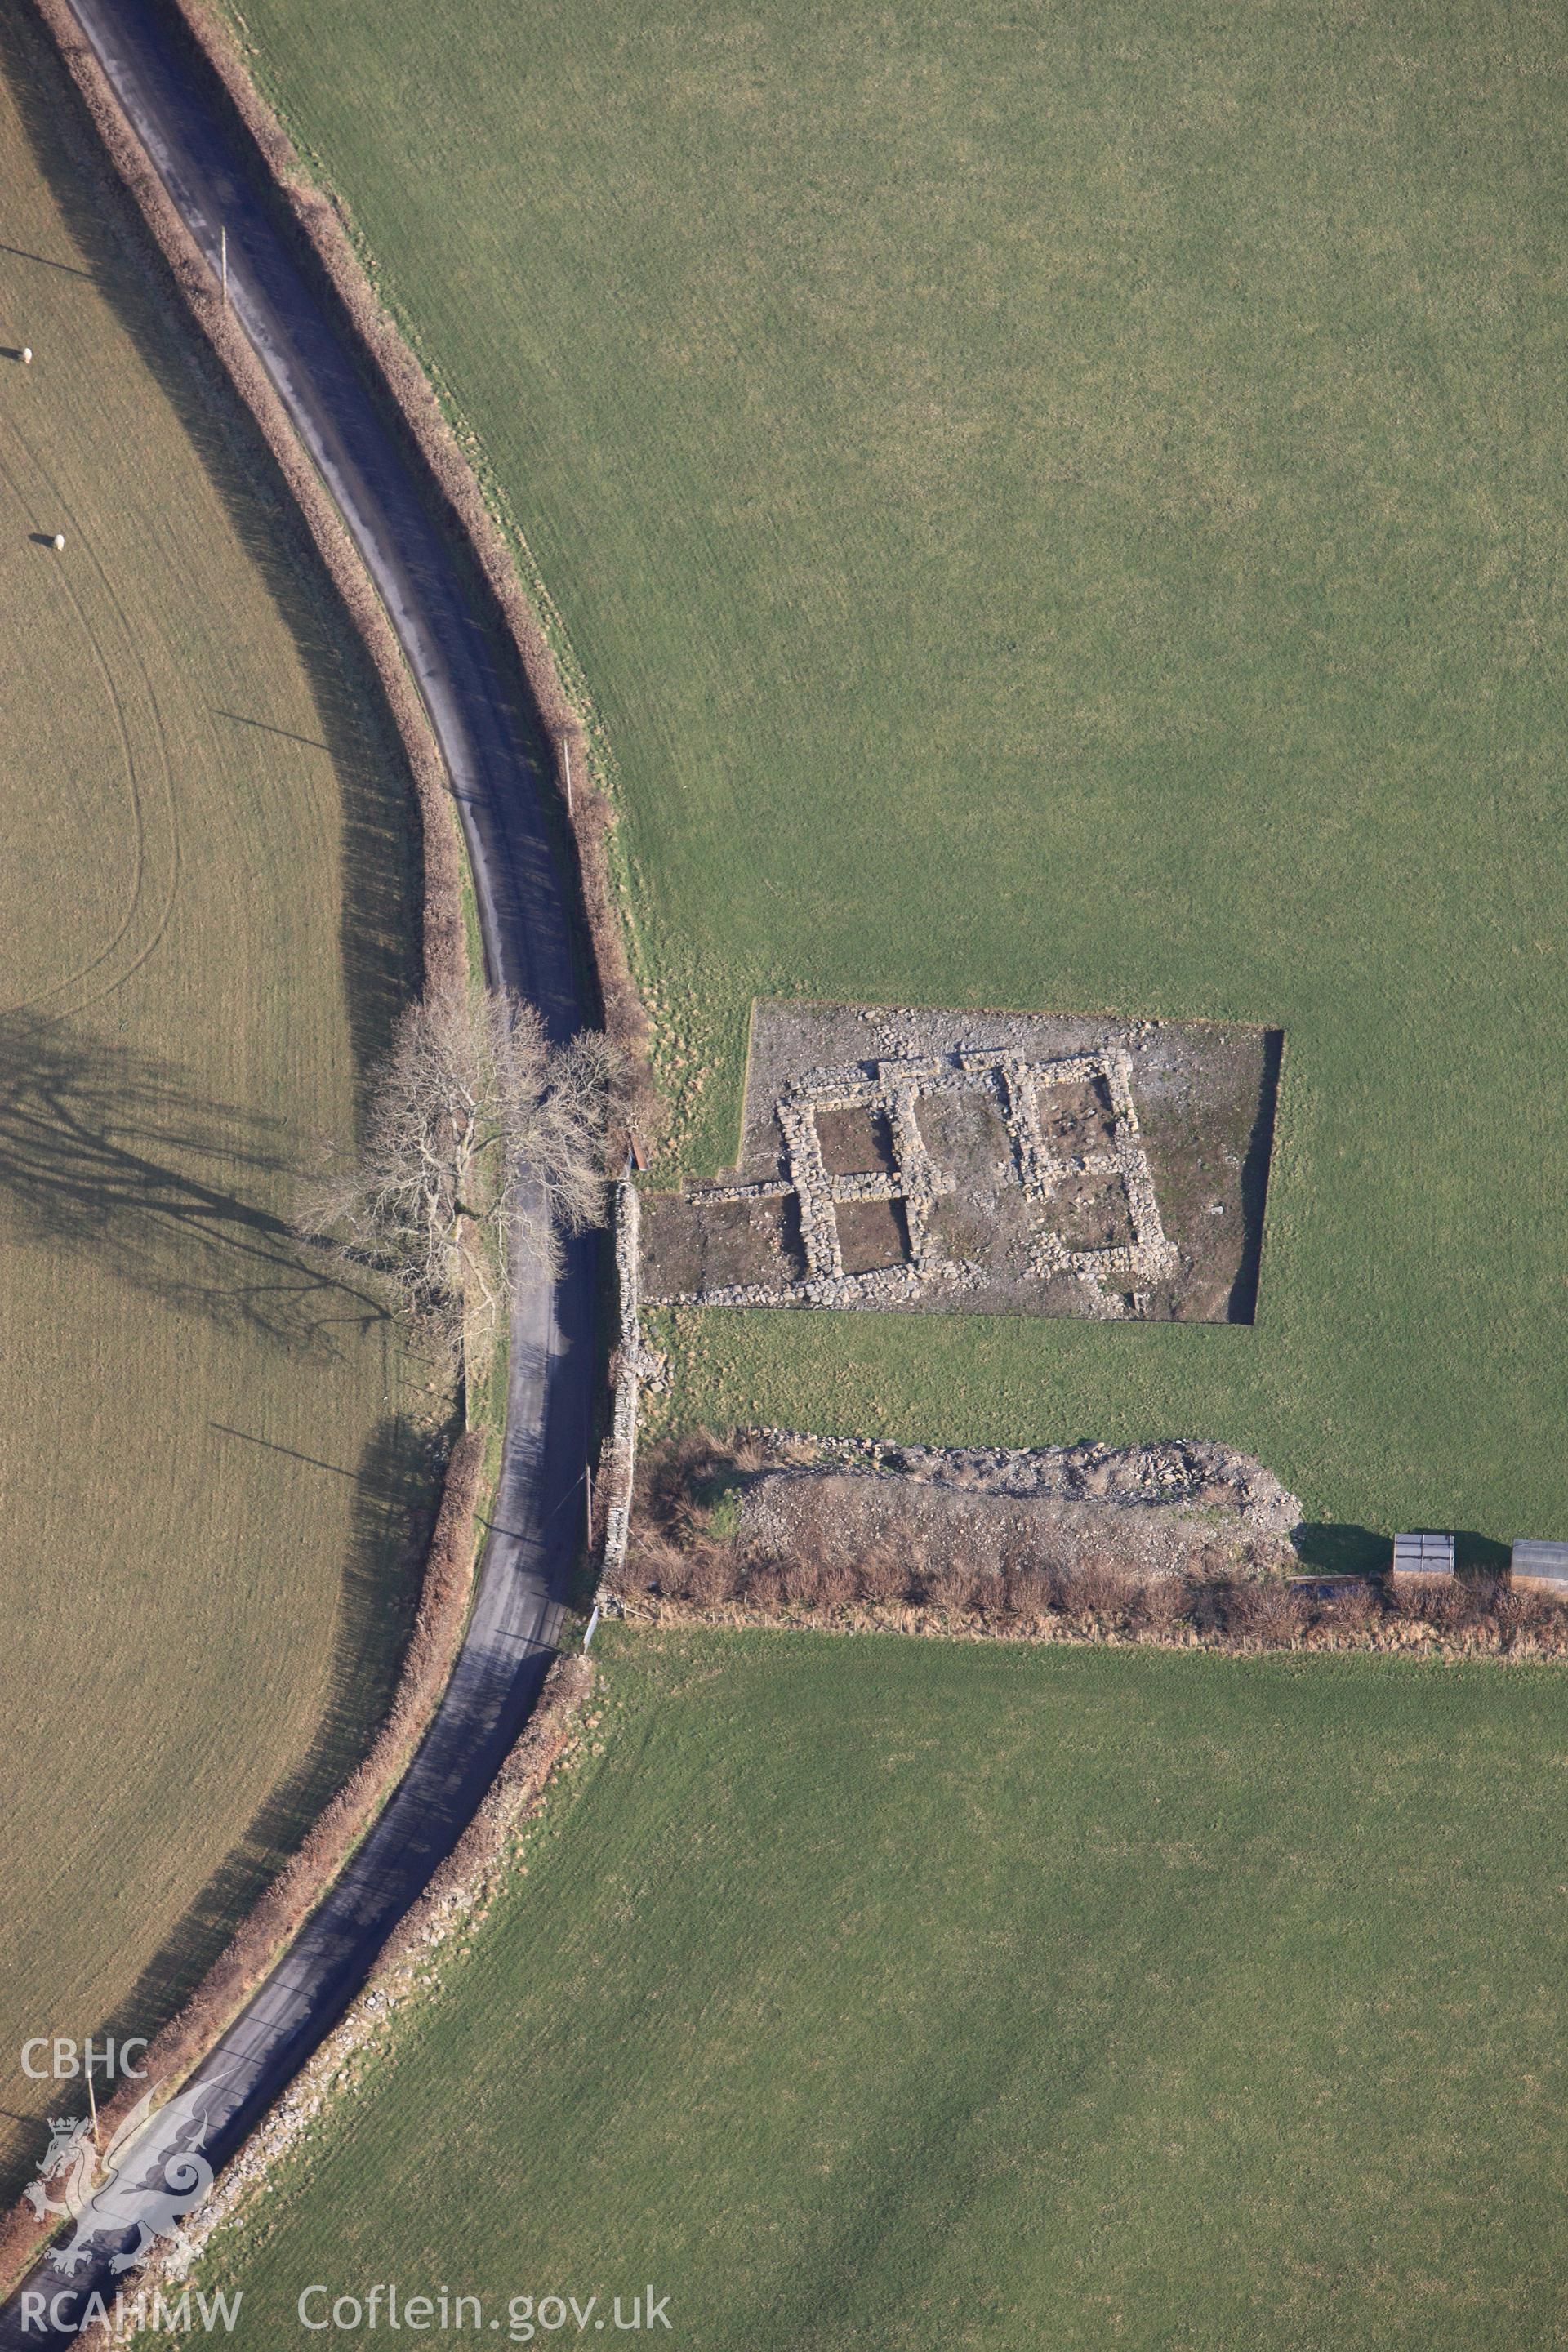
[
  {"x": 894, "y": 1088},
  {"x": 634, "y": 1365}
]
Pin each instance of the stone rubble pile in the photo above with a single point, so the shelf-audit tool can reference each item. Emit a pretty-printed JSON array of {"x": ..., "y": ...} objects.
[{"x": 1188, "y": 1472}]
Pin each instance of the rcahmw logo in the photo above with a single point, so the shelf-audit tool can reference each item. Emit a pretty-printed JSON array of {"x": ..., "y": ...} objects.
[
  {"x": 109, "y": 2209},
  {"x": 165, "y": 2315},
  {"x": 62, "y": 2059}
]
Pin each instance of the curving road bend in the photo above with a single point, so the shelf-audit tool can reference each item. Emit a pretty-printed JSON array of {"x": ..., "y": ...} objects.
[{"x": 478, "y": 703}]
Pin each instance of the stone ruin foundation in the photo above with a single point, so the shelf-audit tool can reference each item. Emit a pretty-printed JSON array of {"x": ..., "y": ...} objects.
[{"x": 995, "y": 1162}]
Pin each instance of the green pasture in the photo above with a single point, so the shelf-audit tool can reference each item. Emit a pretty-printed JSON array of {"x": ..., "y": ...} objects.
[
  {"x": 1056, "y": 509},
  {"x": 887, "y": 1993}
]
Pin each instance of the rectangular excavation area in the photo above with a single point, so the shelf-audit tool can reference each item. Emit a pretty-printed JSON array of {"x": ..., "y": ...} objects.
[{"x": 996, "y": 1163}]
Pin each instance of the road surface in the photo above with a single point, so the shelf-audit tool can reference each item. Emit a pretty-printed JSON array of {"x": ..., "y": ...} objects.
[{"x": 475, "y": 693}]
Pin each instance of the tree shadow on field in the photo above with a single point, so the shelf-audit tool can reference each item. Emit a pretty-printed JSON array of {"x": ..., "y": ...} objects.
[
  {"x": 381, "y": 871},
  {"x": 105, "y": 1153},
  {"x": 395, "y": 1481}
]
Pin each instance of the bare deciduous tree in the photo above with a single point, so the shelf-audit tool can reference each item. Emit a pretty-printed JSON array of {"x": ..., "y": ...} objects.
[{"x": 482, "y": 1144}]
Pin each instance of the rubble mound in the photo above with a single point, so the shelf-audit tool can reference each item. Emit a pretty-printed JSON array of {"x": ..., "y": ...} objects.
[{"x": 1184, "y": 1508}]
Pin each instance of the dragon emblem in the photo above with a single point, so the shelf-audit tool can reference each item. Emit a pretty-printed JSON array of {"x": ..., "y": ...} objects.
[{"x": 90, "y": 2192}]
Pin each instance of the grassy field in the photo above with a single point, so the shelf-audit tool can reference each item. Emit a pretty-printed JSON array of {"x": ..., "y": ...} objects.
[
  {"x": 206, "y": 1461},
  {"x": 906, "y": 1993},
  {"x": 1057, "y": 510}
]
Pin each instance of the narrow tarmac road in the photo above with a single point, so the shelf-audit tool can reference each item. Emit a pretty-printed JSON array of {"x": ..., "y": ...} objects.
[{"x": 477, "y": 698}]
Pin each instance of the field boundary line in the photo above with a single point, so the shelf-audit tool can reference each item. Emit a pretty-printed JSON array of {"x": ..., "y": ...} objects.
[
  {"x": 1408, "y": 1641},
  {"x": 620, "y": 1469}
]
